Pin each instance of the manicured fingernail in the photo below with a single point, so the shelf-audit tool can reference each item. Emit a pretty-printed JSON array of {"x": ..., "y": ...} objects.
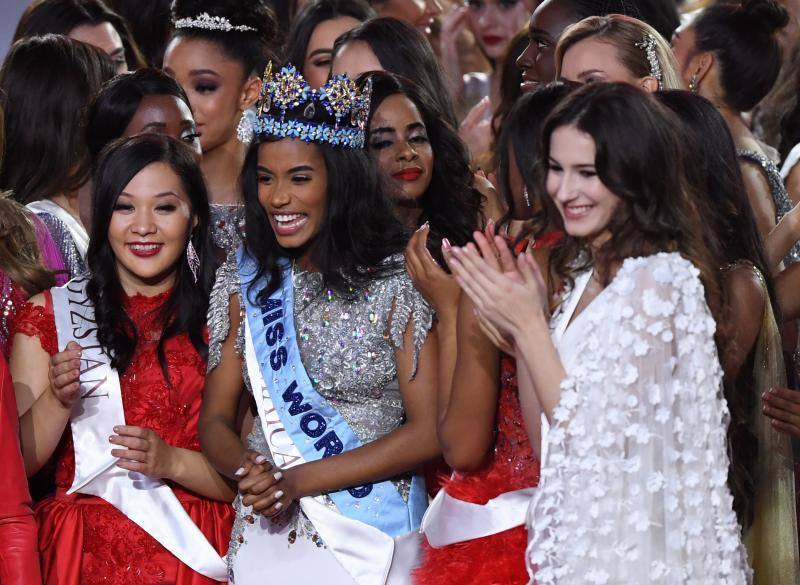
[
  {"x": 423, "y": 226},
  {"x": 278, "y": 476},
  {"x": 261, "y": 459},
  {"x": 278, "y": 506},
  {"x": 278, "y": 495},
  {"x": 446, "y": 244},
  {"x": 116, "y": 429},
  {"x": 239, "y": 472}
]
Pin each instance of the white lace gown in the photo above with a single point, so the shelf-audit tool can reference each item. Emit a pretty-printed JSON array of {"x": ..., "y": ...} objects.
[{"x": 633, "y": 490}]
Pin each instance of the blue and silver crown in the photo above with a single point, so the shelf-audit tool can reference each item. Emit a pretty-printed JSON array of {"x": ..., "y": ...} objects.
[{"x": 336, "y": 113}]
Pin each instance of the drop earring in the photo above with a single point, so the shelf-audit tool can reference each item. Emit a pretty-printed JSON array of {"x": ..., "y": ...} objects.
[
  {"x": 245, "y": 129},
  {"x": 693, "y": 83},
  {"x": 192, "y": 259},
  {"x": 525, "y": 196}
]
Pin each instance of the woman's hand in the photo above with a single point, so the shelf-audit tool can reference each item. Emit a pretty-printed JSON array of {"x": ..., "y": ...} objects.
[
  {"x": 64, "y": 374},
  {"x": 476, "y": 129},
  {"x": 453, "y": 25},
  {"x": 264, "y": 487},
  {"x": 782, "y": 406},
  {"x": 439, "y": 288},
  {"x": 504, "y": 297},
  {"x": 145, "y": 452}
]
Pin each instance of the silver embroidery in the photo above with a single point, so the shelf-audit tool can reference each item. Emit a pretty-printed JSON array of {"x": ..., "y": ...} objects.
[{"x": 347, "y": 345}]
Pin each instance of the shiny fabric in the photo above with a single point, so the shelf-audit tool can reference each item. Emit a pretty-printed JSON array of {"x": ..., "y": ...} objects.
[
  {"x": 83, "y": 539},
  {"x": 227, "y": 226},
  {"x": 347, "y": 346},
  {"x": 771, "y": 541},
  {"x": 783, "y": 204},
  {"x": 19, "y": 557},
  {"x": 74, "y": 263},
  {"x": 498, "y": 559}
]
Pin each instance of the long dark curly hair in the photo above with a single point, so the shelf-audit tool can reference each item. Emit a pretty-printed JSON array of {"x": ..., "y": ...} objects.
[
  {"x": 451, "y": 205},
  {"x": 639, "y": 159},
  {"x": 184, "y": 311},
  {"x": 358, "y": 232}
]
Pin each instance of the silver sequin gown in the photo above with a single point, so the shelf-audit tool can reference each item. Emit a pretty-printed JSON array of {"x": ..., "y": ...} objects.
[
  {"x": 783, "y": 204},
  {"x": 74, "y": 263},
  {"x": 347, "y": 347},
  {"x": 227, "y": 226}
]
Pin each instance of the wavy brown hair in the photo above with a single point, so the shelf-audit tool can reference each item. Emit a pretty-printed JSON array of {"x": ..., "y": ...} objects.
[
  {"x": 638, "y": 158},
  {"x": 19, "y": 249}
]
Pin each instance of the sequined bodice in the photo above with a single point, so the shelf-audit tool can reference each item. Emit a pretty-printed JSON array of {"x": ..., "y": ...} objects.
[
  {"x": 511, "y": 465},
  {"x": 11, "y": 299},
  {"x": 227, "y": 225},
  {"x": 347, "y": 352},
  {"x": 783, "y": 204},
  {"x": 74, "y": 263}
]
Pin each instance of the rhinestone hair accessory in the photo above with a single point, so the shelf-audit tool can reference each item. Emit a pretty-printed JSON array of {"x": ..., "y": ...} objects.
[
  {"x": 648, "y": 45},
  {"x": 289, "y": 107},
  {"x": 207, "y": 22}
]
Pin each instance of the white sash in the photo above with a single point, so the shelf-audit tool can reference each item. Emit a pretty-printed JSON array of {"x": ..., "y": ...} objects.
[
  {"x": 450, "y": 520},
  {"x": 365, "y": 552},
  {"x": 147, "y": 502},
  {"x": 79, "y": 234}
]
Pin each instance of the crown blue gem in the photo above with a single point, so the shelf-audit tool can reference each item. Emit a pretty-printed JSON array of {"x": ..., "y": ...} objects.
[{"x": 287, "y": 105}]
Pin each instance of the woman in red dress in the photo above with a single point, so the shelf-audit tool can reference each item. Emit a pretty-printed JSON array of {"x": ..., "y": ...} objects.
[
  {"x": 483, "y": 435},
  {"x": 19, "y": 558},
  {"x": 148, "y": 290}
]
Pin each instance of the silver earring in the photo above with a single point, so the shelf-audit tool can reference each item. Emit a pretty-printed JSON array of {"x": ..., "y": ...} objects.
[
  {"x": 693, "y": 83},
  {"x": 245, "y": 129},
  {"x": 193, "y": 260},
  {"x": 525, "y": 196}
]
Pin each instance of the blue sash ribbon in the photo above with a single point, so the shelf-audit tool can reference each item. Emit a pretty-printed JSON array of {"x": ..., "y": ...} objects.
[{"x": 317, "y": 429}]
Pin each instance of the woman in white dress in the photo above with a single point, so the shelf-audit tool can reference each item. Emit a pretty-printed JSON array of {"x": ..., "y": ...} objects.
[{"x": 634, "y": 464}]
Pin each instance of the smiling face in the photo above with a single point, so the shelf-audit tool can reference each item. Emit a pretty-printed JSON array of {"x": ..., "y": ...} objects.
[
  {"x": 214, "y": 84},
  {"x": 546, "y": 25},
  {"x": 164, "y": 114},
  {"x": 585, "y": 203},
  {"x": 398, "y": 140},
  {"x": 317, "y": 64},
  {"x": 106, "y": 38},
  {"x": 355, "y": 58},
  {"x": 149, "y": 229},
  {"x": 293, "y": 190},
  {"x": 592, "y": 60},
  {"x": 495, "y": 22}
]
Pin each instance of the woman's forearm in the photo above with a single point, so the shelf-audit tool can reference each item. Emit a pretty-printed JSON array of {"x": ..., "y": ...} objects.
[
  {"x": 194, "y": 472},
  {"x": 41, "y": 429},
  {"x": 402, "y": 450},
  {"x": 535, "y": 349},
  {"x": 221, "y": 445}
]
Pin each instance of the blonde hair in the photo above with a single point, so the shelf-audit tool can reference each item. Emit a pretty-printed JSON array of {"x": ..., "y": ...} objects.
[
  {"x": 627, "y": 35},
  {"x": 19, "y": 249}
]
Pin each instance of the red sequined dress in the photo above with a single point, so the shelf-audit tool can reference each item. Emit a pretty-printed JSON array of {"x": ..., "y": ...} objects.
[
  {"x": 498, "y": 559},
  {"x": 85, "y": 540}
]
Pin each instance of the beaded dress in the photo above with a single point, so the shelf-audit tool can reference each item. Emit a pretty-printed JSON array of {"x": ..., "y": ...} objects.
[
  {"x": 83, "y": 539},
  {"x": 783, "y": 204},
  {"x": 347, "y": 346},
  {"x": 227, "y": 226},
  {"x": 633, "y": 486},
  {"x": 68, "y": 234}
]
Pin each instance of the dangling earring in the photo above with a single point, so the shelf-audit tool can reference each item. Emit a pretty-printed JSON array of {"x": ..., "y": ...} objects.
[
  {"x": 245, "y": 129},
  {"x": 525, "y": 196},
  {"x": 192, "y": 259},
  {"x": 693, "y": 83}
]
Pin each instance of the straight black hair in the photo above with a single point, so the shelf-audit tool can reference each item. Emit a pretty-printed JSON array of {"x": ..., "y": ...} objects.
[
  {"x": 403, "y": 50},
  {"x": 185, "y": 309},
  {"x": 116, "y": 104},
  {"x": 61, "y": 16},
  {"x": 46, "y": 85},
  {"x": 314, "y": 13}
]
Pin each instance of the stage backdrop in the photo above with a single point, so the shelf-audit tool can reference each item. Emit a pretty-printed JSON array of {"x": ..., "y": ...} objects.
[{"x": 10, "y": 11}]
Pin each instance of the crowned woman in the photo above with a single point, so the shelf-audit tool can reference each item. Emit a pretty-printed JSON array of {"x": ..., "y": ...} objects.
[
  {"x": 108, "y": 374},
  {"x": 317, "y": 320}
]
